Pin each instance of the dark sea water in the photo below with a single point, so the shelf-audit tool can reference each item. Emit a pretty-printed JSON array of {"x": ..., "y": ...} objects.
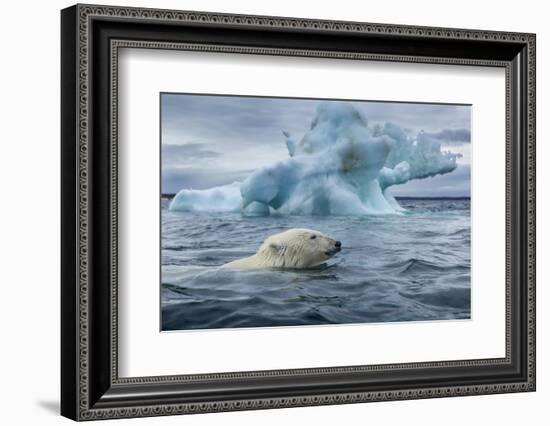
[{"x": 411, "y": 267}]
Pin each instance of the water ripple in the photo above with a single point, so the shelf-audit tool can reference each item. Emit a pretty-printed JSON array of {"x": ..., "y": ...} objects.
[{"x": 392, "y": 268}]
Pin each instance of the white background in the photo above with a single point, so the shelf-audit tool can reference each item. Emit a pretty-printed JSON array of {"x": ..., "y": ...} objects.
[
  {"x": 146, "y": 352},
  {"x": 29, "y": 225}
]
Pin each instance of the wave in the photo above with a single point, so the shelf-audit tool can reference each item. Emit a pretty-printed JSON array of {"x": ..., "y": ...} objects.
[
  {"x": 457, "y": 297},
  {"x": 413, "y": 267}
]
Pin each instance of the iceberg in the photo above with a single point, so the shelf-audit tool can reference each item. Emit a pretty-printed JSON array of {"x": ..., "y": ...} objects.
[
  {"x": 226, "y": 198},
  {"x": 341, "y": 166},
  {"x": 218, "y": 199}
]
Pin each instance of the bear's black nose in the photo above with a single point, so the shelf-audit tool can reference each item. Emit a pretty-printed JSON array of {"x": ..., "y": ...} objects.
[{"x": 338, "y": 244}]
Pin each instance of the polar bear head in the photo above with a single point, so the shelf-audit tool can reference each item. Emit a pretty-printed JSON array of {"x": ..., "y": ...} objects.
[{"x": 297, "y": 249}]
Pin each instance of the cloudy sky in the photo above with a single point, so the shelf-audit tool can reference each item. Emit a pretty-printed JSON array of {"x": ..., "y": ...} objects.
[{"x": 214, "y": 140}]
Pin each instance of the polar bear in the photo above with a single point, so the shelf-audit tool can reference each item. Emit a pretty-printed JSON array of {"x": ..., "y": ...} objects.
[{"x": 292, "y": 249}]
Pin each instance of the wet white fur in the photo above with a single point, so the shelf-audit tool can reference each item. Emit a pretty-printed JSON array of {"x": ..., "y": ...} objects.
[{"x": 292, "y": 249}]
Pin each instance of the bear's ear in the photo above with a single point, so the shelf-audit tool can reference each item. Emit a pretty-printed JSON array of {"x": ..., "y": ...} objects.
[{"x": 276, "y": 246}]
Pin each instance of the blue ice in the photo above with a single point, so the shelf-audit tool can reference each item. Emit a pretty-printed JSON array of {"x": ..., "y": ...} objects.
[{"x": 341, "y": 166}]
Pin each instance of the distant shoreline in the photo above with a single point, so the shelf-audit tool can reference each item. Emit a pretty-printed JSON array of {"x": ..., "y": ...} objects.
[{"x": 170, "y": 196}]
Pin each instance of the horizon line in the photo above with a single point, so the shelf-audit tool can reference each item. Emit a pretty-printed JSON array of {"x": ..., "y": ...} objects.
[{"x": 397, "y": 197}]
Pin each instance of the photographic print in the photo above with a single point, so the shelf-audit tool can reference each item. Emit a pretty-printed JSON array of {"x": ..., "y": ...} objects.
[
  {"x": 254, "y": 183},
  {"x": 300, "y": 212}
]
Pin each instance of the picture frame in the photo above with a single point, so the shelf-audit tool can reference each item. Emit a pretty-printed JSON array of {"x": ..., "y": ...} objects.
[{"x": 91, "y": 37}]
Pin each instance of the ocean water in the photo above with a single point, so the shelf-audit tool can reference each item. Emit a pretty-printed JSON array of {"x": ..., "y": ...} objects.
[{"x": 410, "y": 267}]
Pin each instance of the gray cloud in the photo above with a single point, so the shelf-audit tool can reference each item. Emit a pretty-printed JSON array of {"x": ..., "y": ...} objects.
[
  {"x": 185, "y": 154},
  {"x": 452, "y": 136},
  {"x": 418, "y": 116},
  {"x": 454, "y": 184},
  {"x": 257, "y": 120},
  {"x": 229, "y": 122},
  {"x": 176, "y": 178}
]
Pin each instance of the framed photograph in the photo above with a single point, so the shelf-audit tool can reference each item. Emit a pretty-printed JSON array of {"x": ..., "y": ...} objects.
[{"x": 263, "y": 212}]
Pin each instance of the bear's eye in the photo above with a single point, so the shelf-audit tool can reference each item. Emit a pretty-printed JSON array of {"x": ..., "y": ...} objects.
[{"x": 313, "y": 237}]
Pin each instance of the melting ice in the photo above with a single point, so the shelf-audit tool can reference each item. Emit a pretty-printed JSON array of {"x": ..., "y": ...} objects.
[{"x": 340, "y": 166}]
